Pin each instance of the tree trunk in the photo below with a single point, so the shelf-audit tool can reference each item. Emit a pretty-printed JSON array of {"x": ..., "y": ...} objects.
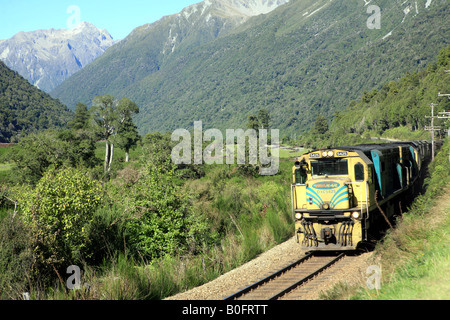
[
  {"x": 111, "y": 154},
  {"x": 106, "y": 156},
  {"x": 127, "y": 155}
]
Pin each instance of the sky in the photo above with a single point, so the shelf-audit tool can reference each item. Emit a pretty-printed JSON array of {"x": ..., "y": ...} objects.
[{"x": 119, "y": 18}]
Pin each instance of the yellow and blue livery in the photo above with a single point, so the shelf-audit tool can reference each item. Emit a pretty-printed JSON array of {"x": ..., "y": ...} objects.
[{"x": 337, "y": 193}]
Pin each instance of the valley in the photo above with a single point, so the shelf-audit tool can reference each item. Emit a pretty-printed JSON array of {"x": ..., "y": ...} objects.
[{"x": 89, "y": 127}]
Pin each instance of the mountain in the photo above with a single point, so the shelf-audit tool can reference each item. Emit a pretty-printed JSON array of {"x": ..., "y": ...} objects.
[
  {"x": 48, "y": 57},
  {"x": 148, "y": 47},
  {"x": 24, "y": 108},
  {"x": 402, "y": 103},
  {"x": 303, "y": 58}
]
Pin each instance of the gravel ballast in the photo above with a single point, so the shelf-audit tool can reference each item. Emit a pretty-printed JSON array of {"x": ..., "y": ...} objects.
[{"x": 353, "y": 271}]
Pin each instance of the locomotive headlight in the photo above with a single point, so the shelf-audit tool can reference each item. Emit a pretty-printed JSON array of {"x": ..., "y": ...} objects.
[
  {"x": 356, "y": 214},
  {"x": 330, "y": 153},
  {"x": 324, "y": 154},
  {"x": 298, "y": 216}
]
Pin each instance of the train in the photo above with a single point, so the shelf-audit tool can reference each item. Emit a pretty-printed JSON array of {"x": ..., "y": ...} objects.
[{"x": 343, "y": 197}]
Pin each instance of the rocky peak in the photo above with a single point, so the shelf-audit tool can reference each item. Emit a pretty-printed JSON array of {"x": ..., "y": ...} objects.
[{"x": 47, "y": 57}]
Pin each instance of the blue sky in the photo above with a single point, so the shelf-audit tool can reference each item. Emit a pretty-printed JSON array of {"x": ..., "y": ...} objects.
[{"x": 118, "y": 17}]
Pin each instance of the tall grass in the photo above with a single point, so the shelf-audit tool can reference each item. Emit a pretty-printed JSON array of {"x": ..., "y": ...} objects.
[{"x": 248, "y": 215}]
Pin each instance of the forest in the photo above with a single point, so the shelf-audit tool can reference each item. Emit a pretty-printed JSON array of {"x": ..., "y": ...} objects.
[
  {"x": 398, "y": 110},
  {"x": 286, "y": 62},
  {"x": 25, "y": 109}
]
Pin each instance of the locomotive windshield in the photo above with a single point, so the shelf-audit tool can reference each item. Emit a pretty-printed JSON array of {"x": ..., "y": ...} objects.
[{"x": 336, "y": 167}]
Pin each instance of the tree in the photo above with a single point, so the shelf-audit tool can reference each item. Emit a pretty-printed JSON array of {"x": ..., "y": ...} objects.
[
  {"x": 104, "y": 115},
  {"x": 128, "y": 137},
  {"x": 35, "y": 153},
  {"x": 264, "y": 118},
  {"x": 321, "y": 125},
  {"x": 110, "y": 116},
  {"x": 253, "y": 122},
  {"x": 157, "y": 148},
  {"x": 126, "y": 109},
  {"x": 164, "y": 222},
  {"x": 81, "y": 118}
]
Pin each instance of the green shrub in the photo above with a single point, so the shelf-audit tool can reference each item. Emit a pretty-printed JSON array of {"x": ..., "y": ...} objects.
[
  {"x": 58, "y": 212},
  {"x": 164, "y": 223},
  {"x": 16, "y": 258}
]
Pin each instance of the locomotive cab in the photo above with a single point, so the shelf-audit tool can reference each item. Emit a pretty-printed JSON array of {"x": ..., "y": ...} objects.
[{"x": 329, "y": 194}]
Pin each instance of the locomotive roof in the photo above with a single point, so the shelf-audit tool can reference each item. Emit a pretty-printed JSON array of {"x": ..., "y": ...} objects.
[{"x": 373, "y": 146}]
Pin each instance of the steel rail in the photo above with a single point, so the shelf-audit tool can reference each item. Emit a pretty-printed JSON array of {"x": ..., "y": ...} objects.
[
  {"x": 268, "y": 278},
  {"x": 308, "y": 277}
]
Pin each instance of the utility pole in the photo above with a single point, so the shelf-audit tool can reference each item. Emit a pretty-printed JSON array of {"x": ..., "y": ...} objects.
[
  {"x": 441, "y": 115},
  {"x": 445, "y": 115},
  {"x": 432, "y": 129}
]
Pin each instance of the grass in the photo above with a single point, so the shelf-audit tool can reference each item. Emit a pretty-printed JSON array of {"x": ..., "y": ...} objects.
[
  {"x": 424, "y": 278},
  {"x": 424, "y": 273},
  {"x": 286, "y": 154},
  {"x": 403, "y": 133},
  {"x": 6, "y": 167}
]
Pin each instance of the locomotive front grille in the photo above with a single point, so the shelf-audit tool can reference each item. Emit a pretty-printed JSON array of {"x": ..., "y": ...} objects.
[{"x": 339, "y": 234}]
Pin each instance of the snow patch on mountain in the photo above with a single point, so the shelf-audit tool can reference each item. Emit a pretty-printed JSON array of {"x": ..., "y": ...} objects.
[
  {"x": 208, "y": 12},
  {"x": 231, "y": 8},
  {"x": 317, "y": 10},
  {"x": 387, "y": 35},
  {"x": 247, "y": 8}
]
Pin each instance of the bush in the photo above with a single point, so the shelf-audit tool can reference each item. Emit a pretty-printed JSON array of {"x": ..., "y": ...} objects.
[
  {"x": 16, "y": 258},
  {"x": 58, "y": 212},
  {"x": 164, "y": 222}
]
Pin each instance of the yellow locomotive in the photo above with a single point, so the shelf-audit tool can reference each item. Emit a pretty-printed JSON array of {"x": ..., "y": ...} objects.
[{"x": 339, "y": 194}]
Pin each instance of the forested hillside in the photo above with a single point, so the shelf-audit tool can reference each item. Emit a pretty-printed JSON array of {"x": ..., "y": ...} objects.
[
  {"x": 402, "y": 103},
  {"x": 398, "y": 110},
  {"x": 25, "y": 109},
  {"x": 304, "y": 58},
  {"x": 148, "y": 47}
]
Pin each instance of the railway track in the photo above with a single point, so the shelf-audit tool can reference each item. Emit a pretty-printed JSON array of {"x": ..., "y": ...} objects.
[{"x": 287, "y": 279}]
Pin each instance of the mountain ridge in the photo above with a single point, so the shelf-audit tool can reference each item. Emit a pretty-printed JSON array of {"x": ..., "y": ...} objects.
[
  {"x": 47, "y": 57},
  {"x": 149, "y": 46},
  {"x": 303, "y": 58}
]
